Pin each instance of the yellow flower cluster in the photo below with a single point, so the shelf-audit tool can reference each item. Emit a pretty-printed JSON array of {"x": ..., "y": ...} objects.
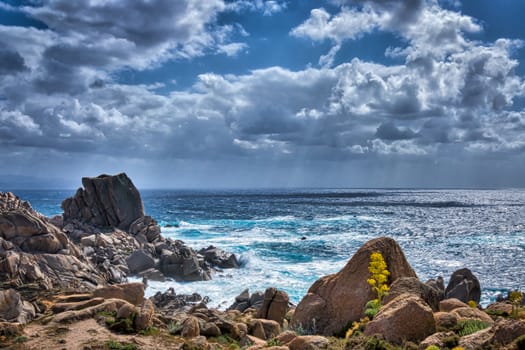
[{"x": 378, "y": 275}]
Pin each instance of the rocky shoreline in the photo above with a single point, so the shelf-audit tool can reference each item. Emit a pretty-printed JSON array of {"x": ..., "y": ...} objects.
[{"x": 63, "y": 286}]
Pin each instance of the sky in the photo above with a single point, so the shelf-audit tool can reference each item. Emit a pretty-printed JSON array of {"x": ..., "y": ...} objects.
[{"x": 263, "y": 93}]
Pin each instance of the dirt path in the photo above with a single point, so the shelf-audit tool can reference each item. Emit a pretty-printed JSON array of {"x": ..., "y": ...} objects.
[{"x": 89, "y": 335}]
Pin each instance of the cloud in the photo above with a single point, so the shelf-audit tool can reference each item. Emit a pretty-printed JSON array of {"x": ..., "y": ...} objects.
[
  {"x": 267, "y": 7},
  {"x": 88, "y": 41},
  {"x": 429, "y": 29},
  {"x": 232, "y": 49},
  {"x": 447, "y": 97},
  {"x": 389, "y": 131},
  {"x": 12, "y": 61}
]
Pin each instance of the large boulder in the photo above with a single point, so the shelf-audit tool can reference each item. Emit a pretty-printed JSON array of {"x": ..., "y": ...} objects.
[
  {"x": 106, "y": 201},
  {"x": 140, "y": 260},
  {"x": 407, "y": 317},
  {"x": 13, "y": 308},
  {"x": 463, "y": 285},
  {"x": 412, "y": 285},
  {"x": 218, "y": 257},
  {"x": 34, "y": 251},
  {"x": 336, "y": 300},
  {"x": 275, "y": 305}
]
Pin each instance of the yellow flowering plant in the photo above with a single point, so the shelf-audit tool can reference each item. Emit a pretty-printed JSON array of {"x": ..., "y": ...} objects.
[
  {"x": 378, "y": 280},
  {"x": 378, "y": 275}
]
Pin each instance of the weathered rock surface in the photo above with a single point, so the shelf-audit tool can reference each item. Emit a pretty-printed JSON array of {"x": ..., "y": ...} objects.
[
  {"x": 436, "y": 339},
  {"x": 245, "y": 301},
  {"x": 309, "y": 342},
  {"x": 97, "y": 216},
  {"x": 190, "y": 327},
  {"x": 469, "y": 313},
  {"x": 335, "y": 300},
  {"x": 407, "y": 317},
  {"x": 412, "y": 285},
  {"x": 13, "y": 308},
  {"x": 220, "y": 258},
  {"x": 463, "y": 285},
  {"x": 264, "y": 329},
  {"x": 34, "y": 251},
  {"x": 445, "y": 320},
  {"x": 502, "y": 308},
  {"x": 448, "y": 305},
  {"x": 105, "y": 201},
  {"x": 131, "y": 292},
  {"x": 169, "y": 302},
  {"x": 275, "y": 305}
]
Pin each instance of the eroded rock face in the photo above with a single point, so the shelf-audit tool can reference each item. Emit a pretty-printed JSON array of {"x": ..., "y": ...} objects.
[
  {"x": 105, "y": 201},
  {"x": 412, "y": 285},
  {"x": 335, "y": 300},
  {"x": 463, "y": 285},
  {"x": 407, "y": 317},
  {"x": 107, "y": 219},
  {"x": 13, "y": 308},
  {"x": 275, "y": 305},
  {"x": 34, "y": 251}
]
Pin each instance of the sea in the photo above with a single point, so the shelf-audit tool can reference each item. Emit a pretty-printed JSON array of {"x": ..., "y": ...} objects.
[{"x": 288, "y": 238}]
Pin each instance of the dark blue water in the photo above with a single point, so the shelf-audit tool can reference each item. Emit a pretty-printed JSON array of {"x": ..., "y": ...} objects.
[{"x": 289, "y": 238}]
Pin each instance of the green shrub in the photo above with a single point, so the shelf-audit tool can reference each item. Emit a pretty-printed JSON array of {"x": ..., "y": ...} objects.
[
  {"x": 451, "y": 341},
  {"x": 174, "y": 328},
  {"x": 432, "y": 347},
  {"x": 116, "y": 345},
  {"x": 374, "y": 343},
  {"x": 467, "y": 327},
  {"x": 274, "y": 342},
  {"x": 372, "y": 308}
]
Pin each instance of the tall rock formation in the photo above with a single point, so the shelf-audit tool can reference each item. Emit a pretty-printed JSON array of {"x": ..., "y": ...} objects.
[
  {"x": 107, "y": 219},
  {"x": 105, "y": 201}
]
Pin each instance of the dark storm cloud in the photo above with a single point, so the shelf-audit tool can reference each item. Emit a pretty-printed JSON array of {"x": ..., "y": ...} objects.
[
  {"x": 389, "y": 131},
  {"x": 145, "y": 23},
  {"x": 11, "y": 62}
]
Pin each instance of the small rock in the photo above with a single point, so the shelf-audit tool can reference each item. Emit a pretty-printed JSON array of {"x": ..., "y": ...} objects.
[
  {"x": 445, "y": 320},
  {"x": 435, "y": 339},
  {"x": 286, "y": 337},
  {"x": 144, "y": 318},
  {"x": 210, "y": 329},
  {"x": 264, "y": 329},
  {"x": 309, "y": 342},
  {"x": 448, "y": 305},
  {"x": 126, "y": 311},
  {"x": 190, "y": 327},
  {"x": 501, "y": 308}
]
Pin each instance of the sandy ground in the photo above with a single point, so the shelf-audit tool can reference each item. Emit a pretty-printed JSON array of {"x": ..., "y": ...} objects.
[{"x": 88, "y": 334}]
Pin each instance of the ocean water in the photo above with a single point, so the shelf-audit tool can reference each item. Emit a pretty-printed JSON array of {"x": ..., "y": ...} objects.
[{"x": 290, "y": 238}]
